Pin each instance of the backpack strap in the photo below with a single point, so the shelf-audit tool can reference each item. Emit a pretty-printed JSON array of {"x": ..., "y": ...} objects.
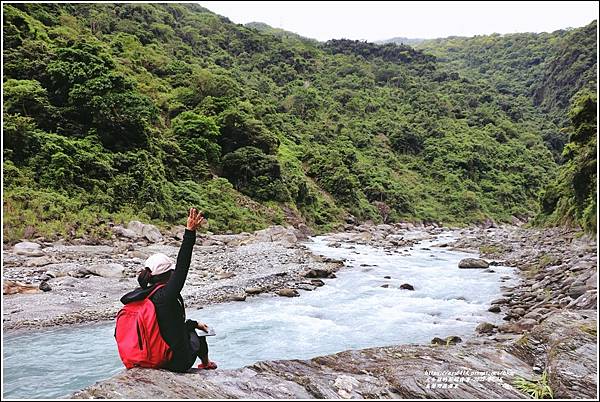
[{"x": 155, "y": 289}]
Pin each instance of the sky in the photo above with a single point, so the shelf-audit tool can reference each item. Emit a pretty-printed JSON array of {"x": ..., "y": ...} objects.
[{"x": 378, "y": 20}]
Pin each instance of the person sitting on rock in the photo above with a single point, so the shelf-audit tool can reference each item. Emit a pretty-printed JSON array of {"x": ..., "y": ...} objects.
[{"x": 176, "y": 331}]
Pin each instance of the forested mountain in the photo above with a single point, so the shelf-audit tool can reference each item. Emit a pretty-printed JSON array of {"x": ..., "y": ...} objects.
[
  {"x": 548, "y": 69},
  {"x": 115, "y": 111}
]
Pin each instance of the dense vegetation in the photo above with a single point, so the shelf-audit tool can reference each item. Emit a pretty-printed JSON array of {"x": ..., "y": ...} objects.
[
  {"x": 550, "y": 69},
  {"x": 571, "y": 198},
  {"x": 115, "y": 111}
]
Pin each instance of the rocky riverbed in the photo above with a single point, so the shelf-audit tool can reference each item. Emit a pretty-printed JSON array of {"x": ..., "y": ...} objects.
[
  {"x": 549, "y": 315},
  {"x": 59, "y": 284}
]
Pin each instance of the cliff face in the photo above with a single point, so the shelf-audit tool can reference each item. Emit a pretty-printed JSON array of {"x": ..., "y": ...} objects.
[{"x": 564, "y": 345}]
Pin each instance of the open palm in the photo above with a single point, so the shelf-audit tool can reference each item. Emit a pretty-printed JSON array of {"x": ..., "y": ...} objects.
[{"x": 195, "y": 219}]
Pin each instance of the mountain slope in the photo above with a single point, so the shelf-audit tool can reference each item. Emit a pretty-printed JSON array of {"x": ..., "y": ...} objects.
[
  {"x": 121, "y": 110},
  {"x": 548, "y": 69}
]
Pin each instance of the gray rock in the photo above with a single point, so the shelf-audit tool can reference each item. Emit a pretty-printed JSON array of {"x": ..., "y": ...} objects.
[
  {"x": 473, "y": 263},
  {"x": 453, "y": 340},
  {"x": 111, "y": 270},
  {"x": 276, "y": 233},
  {"x": 305, "y": 286},
  {"x": 494, "y": 309},
  {"x": 576, "y": 290},
  {"x": 317, "y": 282},
  {"x": 524, "y": 324},
  {"x": 518, "y": 311},
  {"x": 150, "y": 232},
  {"x": 254, "y": 291},
  {"x": 592, "y": 281},
  {"x": 121, "y": 231},
  {"x": 40, "y": 261},
  {"x": 485, "y": 328},
  {"x": 287, "y": 292},
  {"x": 318, "y": 273},
  {"x": 438, "y": 341},
  {"x": 45, "y": 287},
  {"x": 586, "y": 301},
  {"x": 67, "y": 281},
  {"x": 407, "y": 286},
  {"x": 28, "y": 249}
]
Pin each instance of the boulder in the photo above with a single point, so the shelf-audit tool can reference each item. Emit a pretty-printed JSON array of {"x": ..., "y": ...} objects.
[
  {"x": 438, "y": 341},
  {"x": 303, "y": 232},
  {"x": 318, "y": 273},
  {"x": 276, "y": 233},
  {"x": 407, "y": 286},
  {"x": 287, "y": 292},
  {"x": 254, "y": 291},
  {"x": 317, "y": 282},
  {"x": 449, "y": 340},
  {"x": 122, "y": 232},
  {"x": 177, "y": 232},
  {"x": 485, "y": 328},
  {"x": 473, "y": 263},
  {"x": 237, "y": 297},
  {"x": 44, "y": 287},
  {"x": 28, "y": 249},
  {"x": 494, "y": 309},
  {"x": 305, "y": 286},
  {"x": 524, "y": 324},
  {"x": 150, "y": 232},
  {"x": 576, "y": 290},
  {"x": 111, "y": 270},
  {"x": 453, "y": 340}
]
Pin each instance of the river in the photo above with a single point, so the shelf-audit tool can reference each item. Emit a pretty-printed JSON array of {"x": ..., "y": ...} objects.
[{"x": 349, "y": 312}]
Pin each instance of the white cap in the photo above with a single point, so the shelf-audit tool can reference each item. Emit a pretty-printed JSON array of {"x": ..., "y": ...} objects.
[{"x": 159, "y": 264}]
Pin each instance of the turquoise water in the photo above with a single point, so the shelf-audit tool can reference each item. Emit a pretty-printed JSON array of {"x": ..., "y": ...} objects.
[{"x": 350, "y": 312}]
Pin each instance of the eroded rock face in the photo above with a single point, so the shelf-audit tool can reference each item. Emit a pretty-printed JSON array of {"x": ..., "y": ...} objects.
[{"x": 564, "y": 345}]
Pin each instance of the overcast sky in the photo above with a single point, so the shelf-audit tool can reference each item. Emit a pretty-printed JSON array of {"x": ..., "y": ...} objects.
[{"x": 376, "y": 20}]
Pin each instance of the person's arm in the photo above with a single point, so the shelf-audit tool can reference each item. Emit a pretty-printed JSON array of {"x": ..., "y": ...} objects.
[
  {"x": 178, "y": 277},
  {"x": 190, "y": 325}
]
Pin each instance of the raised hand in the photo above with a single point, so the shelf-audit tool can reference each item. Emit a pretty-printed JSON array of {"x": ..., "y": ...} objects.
[{"x": 195, "y": 219}]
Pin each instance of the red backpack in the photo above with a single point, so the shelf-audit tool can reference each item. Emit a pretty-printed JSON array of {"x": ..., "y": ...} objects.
[{"x": 138, "y": 335}]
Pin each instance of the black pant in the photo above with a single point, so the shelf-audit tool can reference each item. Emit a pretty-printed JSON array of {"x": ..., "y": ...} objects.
[{"x": 197, "y": 347}]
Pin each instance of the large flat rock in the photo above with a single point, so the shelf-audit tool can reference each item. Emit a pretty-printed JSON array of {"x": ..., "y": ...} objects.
[{"x": 479, "y": 371}]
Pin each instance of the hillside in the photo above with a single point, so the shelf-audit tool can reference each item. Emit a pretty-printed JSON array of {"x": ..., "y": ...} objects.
[
  {"x": 547, "y": 69},
  {"x": 116, "y": 111}
]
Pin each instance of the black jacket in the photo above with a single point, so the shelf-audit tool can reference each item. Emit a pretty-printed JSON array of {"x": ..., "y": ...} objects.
[{"x": 170, "y": 310}]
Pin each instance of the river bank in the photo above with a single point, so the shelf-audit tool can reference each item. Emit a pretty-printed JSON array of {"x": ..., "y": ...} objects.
[
  {"x": 556, "y": 293},
  {"x": 66, "y": 284}
]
